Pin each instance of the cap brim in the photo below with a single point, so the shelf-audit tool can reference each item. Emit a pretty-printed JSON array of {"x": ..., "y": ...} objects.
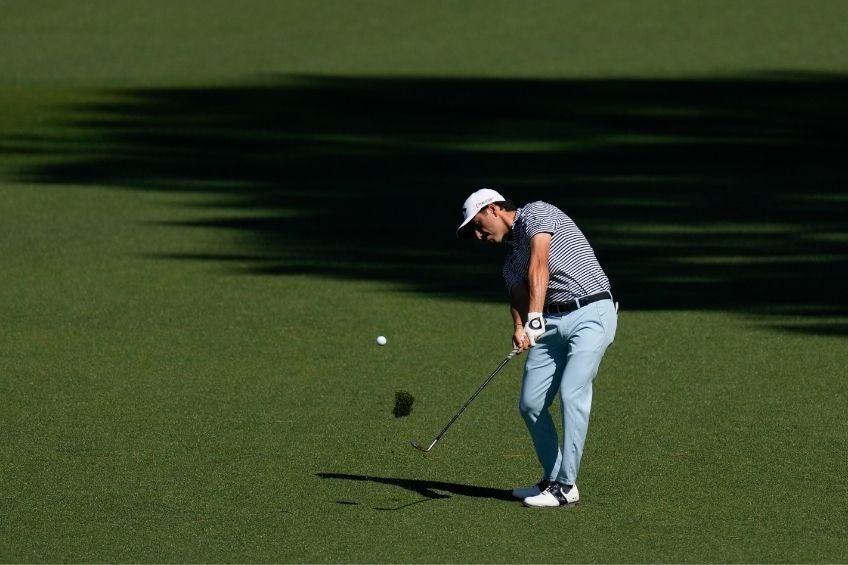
[
  {"x": 464, "y": 232},
  {"x": 465, "y": 228}
]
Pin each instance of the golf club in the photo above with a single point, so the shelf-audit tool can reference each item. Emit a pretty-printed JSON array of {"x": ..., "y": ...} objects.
[{"x": 419, "y": 447}]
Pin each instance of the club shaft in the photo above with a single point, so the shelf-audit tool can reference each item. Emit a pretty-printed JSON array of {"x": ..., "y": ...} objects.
[{"x": 512, "y": 354}]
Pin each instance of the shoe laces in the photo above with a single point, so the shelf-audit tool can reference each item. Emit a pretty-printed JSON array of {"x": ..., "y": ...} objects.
[
  {"x": 553, "y": 487},
  {"x": 559, "y": 491}
]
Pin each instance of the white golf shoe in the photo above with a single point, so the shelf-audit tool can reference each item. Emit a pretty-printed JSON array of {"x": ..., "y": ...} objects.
[
  {"x": 555, "y": 495},
  {"x": 532, "y": 490}
]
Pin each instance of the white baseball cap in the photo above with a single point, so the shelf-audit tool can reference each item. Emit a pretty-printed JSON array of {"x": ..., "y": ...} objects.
[{"x": 476, "y": 202}]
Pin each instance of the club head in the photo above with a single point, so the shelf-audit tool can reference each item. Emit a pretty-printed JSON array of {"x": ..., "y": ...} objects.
[{"x": 416, "y": 445}]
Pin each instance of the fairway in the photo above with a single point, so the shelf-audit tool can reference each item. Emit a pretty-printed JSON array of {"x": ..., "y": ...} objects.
[{"x": 209, "y": 212}]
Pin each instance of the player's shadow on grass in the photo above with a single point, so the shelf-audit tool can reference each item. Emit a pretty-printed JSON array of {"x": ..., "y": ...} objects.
[
  {"x": 426, "y": 489},
  {"x": 697, "y": 194}
]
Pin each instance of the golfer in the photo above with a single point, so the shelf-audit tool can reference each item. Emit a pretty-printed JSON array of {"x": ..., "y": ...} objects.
[{"x": 564, "y": 317}]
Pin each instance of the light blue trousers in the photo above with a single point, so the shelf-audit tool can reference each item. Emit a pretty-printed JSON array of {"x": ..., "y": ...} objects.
[{"x": 565, "y": 359}]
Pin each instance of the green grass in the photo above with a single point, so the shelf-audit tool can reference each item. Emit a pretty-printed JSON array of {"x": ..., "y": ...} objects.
[
  {"x": 199, "y": 251},
  {"x": 147, "y": 420},
  {"x": 191, "y": 42}
]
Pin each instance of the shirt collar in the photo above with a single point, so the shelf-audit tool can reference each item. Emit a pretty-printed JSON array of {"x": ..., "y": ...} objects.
[{"x": 511, "y": 236}]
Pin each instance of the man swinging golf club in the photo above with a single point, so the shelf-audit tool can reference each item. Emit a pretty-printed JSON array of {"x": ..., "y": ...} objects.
[{"x": 564, "y": 317}]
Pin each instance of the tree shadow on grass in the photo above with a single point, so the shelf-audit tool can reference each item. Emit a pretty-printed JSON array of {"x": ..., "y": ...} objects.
[
  {"x": 426, "y": 489},
  {"x": 696, "y": 194}
]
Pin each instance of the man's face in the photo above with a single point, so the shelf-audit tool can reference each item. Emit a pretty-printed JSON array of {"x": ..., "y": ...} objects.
[{"x": 488, "y": 225}]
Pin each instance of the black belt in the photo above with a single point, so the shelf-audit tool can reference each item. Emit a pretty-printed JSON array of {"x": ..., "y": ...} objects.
[{"x": 572, "y": 305}]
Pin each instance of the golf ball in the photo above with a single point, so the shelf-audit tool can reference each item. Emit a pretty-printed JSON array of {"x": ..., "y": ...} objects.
[{"x": 381, "y": 340}]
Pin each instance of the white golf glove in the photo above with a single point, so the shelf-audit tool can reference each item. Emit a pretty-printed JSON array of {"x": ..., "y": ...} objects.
[{"x": 534, "y": 327}]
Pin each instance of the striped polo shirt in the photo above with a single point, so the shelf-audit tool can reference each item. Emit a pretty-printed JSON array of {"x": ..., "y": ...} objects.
[{"x": 575, "y": 271}]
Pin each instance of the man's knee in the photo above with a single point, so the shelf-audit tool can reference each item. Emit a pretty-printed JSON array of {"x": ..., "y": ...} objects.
[{"x": 530, "y": 408}]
